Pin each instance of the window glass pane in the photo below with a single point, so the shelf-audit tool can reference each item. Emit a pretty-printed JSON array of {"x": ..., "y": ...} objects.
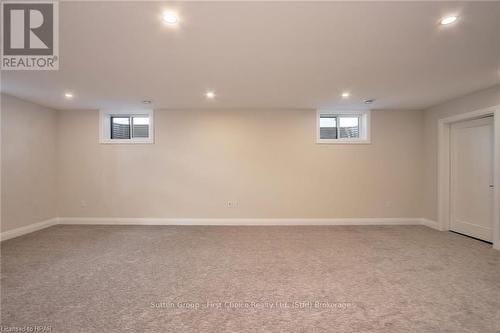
[
  {"x": 140, "y": 127},
  {"x": 327, "y": 127},
  {"x": 348, "y": 127},
  {"x": 120, "y": 128},
  {"x": 327, "y": 122}
]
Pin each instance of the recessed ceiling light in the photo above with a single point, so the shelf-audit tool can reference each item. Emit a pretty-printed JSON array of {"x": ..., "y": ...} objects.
[
  {"x": 170, "y": 18},
  {"x": 346, "y": 94},
  {"x": 210, "y": 95},
  {"x": 69, "y": 95},
  {"x": 448, "y": 20},
  {"x": 146, "y": 101},
  {"x": 369, "y": 101}
]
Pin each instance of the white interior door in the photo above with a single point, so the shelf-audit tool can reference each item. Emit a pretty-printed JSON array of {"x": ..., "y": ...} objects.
[{"x": 471, "y": 182}]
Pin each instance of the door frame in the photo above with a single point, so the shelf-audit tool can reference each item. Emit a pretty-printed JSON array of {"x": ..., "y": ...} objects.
[{"x": 444, "y": 164}]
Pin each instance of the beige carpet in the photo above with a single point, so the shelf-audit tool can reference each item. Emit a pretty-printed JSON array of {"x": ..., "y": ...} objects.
[{"x": 249, "y": 279}]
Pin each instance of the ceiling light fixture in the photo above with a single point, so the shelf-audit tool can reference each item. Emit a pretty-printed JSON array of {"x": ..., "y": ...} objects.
[
  {"x": 346, "y": 94},
  {"x": 210, "y": 95},
  {"x": 448, "y": 20},
  {"x": 170, "y": 18},
  {"x": 69, "y": 95},
  {"x": 146, "y": 101},
  {"x": 369, "y": 101}
]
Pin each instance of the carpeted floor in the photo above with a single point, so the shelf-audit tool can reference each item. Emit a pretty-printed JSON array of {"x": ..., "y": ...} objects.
[{"x": 249, "y": 279}]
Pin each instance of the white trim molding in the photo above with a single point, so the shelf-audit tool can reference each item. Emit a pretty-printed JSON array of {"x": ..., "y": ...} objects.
[
  {"x": 28, "y": 229},
  {"x": 218, "y": 222},
  {"x": 238, "y": 221},
  {"x": 431, "y": 224},
  {"x": 444, "y": 168}
]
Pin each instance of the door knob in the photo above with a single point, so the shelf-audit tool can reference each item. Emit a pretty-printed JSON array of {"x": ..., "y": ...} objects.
[{"x": 491, "y": 186}]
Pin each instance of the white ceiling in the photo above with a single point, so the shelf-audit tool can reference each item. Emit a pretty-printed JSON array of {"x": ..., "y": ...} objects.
[{"x": 267, "y": 55}]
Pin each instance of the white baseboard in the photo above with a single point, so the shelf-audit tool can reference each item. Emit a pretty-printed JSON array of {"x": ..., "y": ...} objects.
[
  {"x": 239, "y": 221},
  {"x": 430, "y": 223},
  {"x": 213, "y": 221},
  {"x": 27, "y": 229}
]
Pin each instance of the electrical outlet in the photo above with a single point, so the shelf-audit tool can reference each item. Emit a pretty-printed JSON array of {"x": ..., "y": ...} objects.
[
  {"x": 83, "y": 204},
  {"x": 231, "y": 204}
]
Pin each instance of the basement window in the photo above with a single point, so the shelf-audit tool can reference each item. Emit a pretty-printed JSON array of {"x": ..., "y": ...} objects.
[
  {"x": 123, "y": 127},
  {"x": 341, "y": 127}
]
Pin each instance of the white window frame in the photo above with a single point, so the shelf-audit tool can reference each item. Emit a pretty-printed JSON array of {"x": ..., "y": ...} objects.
[
  {"x": 364, "y": 127},
  {"x": 105, "y": 126}
]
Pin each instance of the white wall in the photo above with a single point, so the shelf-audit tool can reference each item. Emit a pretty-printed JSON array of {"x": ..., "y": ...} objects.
[
  {"x": 28, "y": 163},
  {"x": 479, "y": 100},
  {"x": 266, "y": 160}
]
